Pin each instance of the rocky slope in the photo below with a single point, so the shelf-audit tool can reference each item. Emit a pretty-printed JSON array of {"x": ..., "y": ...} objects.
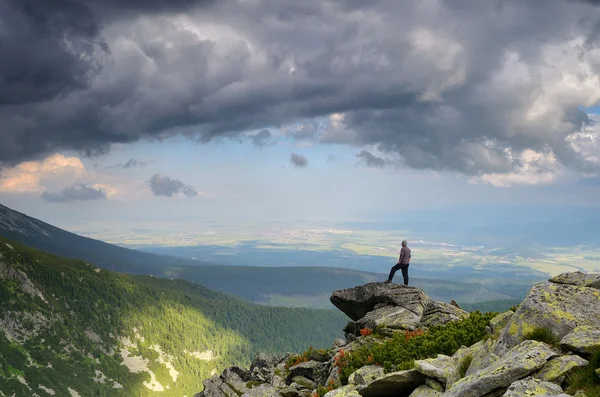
[{"x": 527, "y": 352}]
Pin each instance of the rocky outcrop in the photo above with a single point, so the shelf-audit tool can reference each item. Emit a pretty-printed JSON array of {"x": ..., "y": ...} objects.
[
  {"x": 506, "y": 363},
  {"x": 391, "y": 307},
  {"x": 579, "y": 279},
  {"x": 558, "y": 307},
  {"x": 519, "y": 362}
]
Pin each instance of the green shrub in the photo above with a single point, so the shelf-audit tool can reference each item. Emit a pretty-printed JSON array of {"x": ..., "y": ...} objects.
[
  {"x": 585, "y": 378},
  {"x": 464, "y": 365},
  {"x": 400, "y": 352},
  {"x": 542, "y": 334}
]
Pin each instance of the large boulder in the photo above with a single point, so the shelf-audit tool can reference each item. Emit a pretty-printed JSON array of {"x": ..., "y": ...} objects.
[
  {"x": 356, "y": 302},
  {"x": 439, "y": 313},
  {"x": 313, "y": 370},
  {"x": 559, "y": 307},
  {"x": 579, "y": 279},
  {"x": 557, "y": 368},
  {"x": 395, "y": 383},
  {"x": 583, "y": 340},
  {"x": 517, "y": 363},
  {"x": 261, "y": 391}
]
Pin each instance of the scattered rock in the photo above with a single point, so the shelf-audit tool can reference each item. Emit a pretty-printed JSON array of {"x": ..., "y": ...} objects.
[
  {"x": 365, "y": 375},
  {"x": 261, "y": 391},
  {"x": 517, "y": 363},
  {"x": 425, "y": 391},
  {"x": 578, "y": 278},
  {"x": 312, "y": 370},
  {"x": 395, "y": 383},
  {"x": 338, "y": 344},
  {"x": 559, "y": 367},
  {"x": 261, "y": 368},
  {"x": 443, "y": 368},
  {"x": 344, "y": 391},
  {"x": 583, "y": 340},
  {"x": 532, "y": 387}
]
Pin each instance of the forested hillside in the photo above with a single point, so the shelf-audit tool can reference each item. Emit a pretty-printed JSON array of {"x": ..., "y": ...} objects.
[{"x": 70, "y": 327}]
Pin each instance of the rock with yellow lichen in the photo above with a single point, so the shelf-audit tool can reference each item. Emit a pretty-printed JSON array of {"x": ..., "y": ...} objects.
[
  {"x": 517, "y": 363},
  {"x": 532, "y": 387},
  {"x": 579, "y": 279},
  {"x": 584, "y": 340},
  {"x": 558, "y": 368},
  {"x": 558, "y": 307}
]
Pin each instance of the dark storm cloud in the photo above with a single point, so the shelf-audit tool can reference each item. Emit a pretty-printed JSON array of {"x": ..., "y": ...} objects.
[
  {"x": 370, "y": 160},
  {"x": 262, "y": 138},
  {"x": 79, "y": 192},
  {"x": 298, "y": 160},
  {"x": 463, "y": 86},
  {"x": 165, "y": 186}
]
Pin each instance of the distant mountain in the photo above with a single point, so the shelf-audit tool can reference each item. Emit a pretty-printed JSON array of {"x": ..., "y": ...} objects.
[
  {"x": 299, "y": 286},
  {"x": 68, "y": 327}
]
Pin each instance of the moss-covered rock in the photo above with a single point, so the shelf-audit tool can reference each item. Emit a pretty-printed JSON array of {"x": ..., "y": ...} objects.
[
  {"x": 532, "y": 387},
  {"x": 443, "y": 368},
  {"x": 517, "y": 363},
  {"x": 500, "y": 321},
  {"x": 558, "y": 307},
  {"x": 425, "y": 391},
  {"x": 583, "y": 340},
  {"x": 578, "y": 278},
  {"x": 365, "y": 375},
  {"x": 344, "y": 391},
  {"x": 559, "y": 367},
  {"x": 482, "y": 357}
]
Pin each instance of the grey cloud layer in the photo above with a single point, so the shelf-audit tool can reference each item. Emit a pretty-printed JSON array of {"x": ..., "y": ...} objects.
[
  {"x": 79, "y": 192},
  {"x": 461, "y": 86},
  {"x": 162, "y": 185}
]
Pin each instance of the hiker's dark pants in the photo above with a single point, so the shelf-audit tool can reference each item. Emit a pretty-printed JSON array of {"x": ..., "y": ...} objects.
[{"x": 404, "y": 268}]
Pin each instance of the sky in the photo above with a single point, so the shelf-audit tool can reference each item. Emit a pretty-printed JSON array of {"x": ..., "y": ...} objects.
[{"x": 247, "y": 112}]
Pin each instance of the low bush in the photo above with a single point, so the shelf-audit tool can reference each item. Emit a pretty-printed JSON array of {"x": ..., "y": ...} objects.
[
  {"x": 399, "y": 352},
  {"x": 542, "y": 334}
]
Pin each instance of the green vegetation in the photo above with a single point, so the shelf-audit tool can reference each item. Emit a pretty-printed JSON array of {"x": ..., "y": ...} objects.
[
  {"x": 585, "y": 378},
  {"x": 542, "y": 334},
  {"x": 464, "y": 365},
  {"x": 90, "y": 319},
  {"x": 400, "y": 352}
]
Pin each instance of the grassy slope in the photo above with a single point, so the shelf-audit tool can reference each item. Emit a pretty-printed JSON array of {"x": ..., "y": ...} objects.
[{"x": 176, "y": 316}]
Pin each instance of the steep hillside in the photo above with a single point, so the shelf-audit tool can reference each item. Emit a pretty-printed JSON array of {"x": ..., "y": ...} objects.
[{"x": 70, "y": 328}]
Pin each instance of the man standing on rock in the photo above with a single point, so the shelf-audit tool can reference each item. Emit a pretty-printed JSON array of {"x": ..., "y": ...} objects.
[{"x": 402, "y": 264}]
